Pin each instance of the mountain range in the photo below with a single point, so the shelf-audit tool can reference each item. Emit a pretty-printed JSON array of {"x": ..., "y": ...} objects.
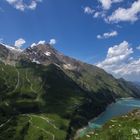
[{"x": 46, "y": 95}]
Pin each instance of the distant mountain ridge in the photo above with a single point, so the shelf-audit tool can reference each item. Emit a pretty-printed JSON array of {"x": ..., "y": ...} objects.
[
  {"x": 45, "y": 54},
  {"x": 137, "y": 83},
  {"x": 40, "y": 80}
]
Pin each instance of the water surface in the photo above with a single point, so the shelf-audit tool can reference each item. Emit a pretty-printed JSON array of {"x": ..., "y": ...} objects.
[{"x": 121, "y": 107}]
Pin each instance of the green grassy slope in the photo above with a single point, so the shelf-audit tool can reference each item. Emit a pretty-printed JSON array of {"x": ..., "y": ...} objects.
[
  {"x": 34, "y": 127},
  {"x": 29, "y": 91},
  {"x": 47, "y": 102},
  {"x": 126, "y": 127},
  {"x": 97, "y": 81}
]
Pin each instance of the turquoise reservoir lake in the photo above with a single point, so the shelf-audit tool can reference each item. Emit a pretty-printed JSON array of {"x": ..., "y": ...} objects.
[{"x": 120, "y": 107}]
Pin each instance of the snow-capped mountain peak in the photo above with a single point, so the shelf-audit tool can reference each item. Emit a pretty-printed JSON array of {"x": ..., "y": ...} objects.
[{"x": 12, "y": 48}]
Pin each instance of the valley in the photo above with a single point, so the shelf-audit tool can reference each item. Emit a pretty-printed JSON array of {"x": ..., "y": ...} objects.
[
  {"x": 125, "y": 127},
  {"x": 51, "y": 97},
  {"x": 120, "y": 108}
]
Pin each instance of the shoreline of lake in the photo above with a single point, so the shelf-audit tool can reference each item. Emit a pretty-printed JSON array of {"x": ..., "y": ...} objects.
[{"x": 128, "y": 99}]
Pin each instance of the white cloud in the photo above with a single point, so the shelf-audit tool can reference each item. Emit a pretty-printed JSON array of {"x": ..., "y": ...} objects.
[
  {"x": 116, "y": 54},
  {"x": 52, "y": 42},
  {"x": 120, "y": 63},
  {"x": 96, "y": 14},
  {"x": 138, "y": 48},
  {"x": 88, "y": 10},
  {"x": 21, "y": 5},
  {"x": 129, "y": 14},
  {"x": 19, "y": 43},
  {"x": 33, "y": 5},
  {"x": 101, "y": 14},
  {"x": 107, "y": 35},
  {"x": 129, "y": 71},
  {"x": 42, "y": 42},
  {"x": 106, "y": 4}
]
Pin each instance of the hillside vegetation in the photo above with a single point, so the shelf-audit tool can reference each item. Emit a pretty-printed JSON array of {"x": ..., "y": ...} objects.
[
  {"x": 32, "y": 102},
  {"x": 51, "y": 97},
  {"x": 126, "y": 127}
]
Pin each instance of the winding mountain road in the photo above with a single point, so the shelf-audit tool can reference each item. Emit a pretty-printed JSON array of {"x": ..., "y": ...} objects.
[
  {"x": 37, "y": 127},
  {"x": 18, "y": 80},
  {"x": 29, "y": 81},
  {"x": 5, "y": 123},
  {"x": 47, "y": 120}
]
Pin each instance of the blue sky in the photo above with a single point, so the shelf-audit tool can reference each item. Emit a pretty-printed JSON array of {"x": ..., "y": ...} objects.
[{"x": 83, "y": 29}]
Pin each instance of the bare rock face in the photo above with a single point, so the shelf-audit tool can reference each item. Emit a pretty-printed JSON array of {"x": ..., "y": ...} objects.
[
  {"x": 43, "y": 54},
  {"x": 8, "y": 54},
  {"x": 3, "y": 52},
  {"x": 46, "y": 81},
  {"x": 88, "y": 76}
]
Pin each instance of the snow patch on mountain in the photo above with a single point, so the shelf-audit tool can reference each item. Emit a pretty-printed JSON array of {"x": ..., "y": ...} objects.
[
  {"x": 41, "y": 42},
  {"x": 35, "y": 61},
  {"x": 69, "y": 67},
  {"x": 47, "y": 53},
  {"x": 33, "y": 45},
  {"x": 12, "y": 48}
]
